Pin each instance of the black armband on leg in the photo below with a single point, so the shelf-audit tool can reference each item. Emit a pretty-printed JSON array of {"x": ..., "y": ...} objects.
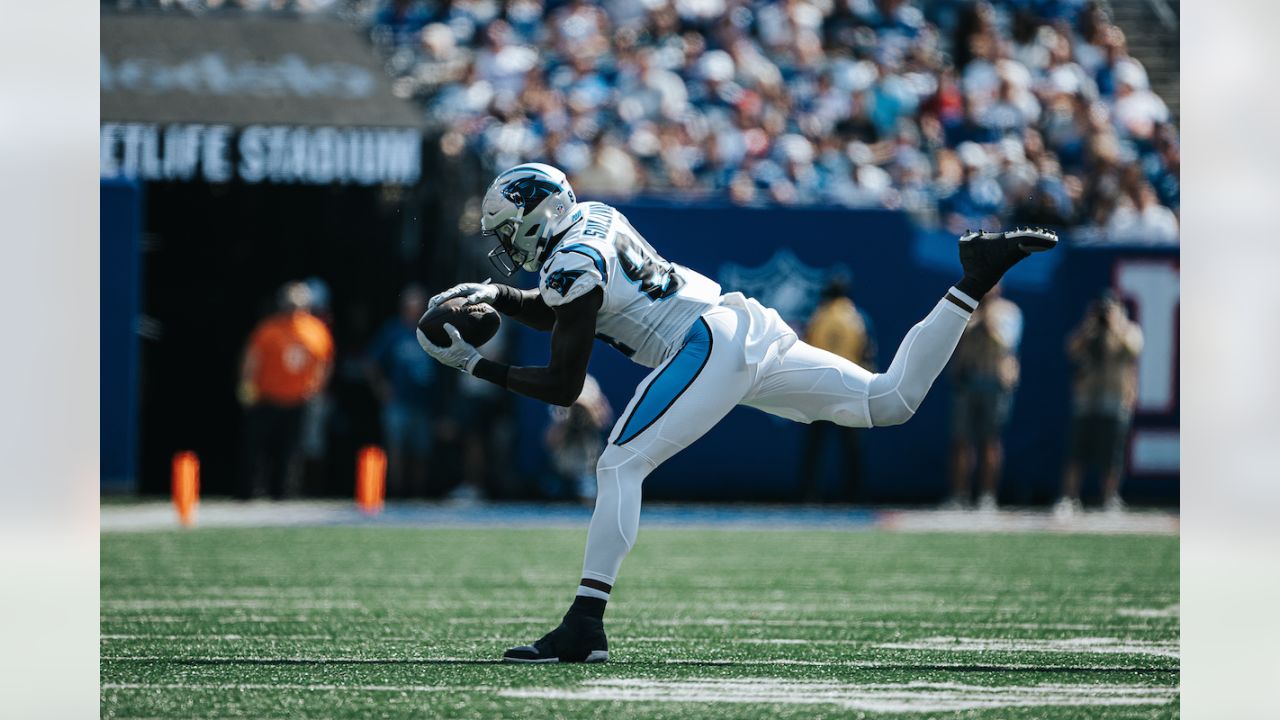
[{"x": 494, "y": 372}]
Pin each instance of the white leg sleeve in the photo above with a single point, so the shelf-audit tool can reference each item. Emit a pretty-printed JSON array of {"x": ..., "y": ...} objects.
[
  {"x": 675, "y": 405},
  {"x": 896, "y": 394},
  {"x": 616, "y": 519}
]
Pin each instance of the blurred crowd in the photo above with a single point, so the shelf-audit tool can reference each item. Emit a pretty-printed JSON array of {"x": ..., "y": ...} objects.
[
  {"x": 985, "y": 372},
  {"x": 963, "y": 113}
]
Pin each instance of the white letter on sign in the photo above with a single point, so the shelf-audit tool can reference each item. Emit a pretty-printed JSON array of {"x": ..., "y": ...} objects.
[{"x": 1153, "y": 288}]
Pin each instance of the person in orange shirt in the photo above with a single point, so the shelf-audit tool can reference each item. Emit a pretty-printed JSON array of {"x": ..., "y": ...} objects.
[{"x": 287, "y": 362}]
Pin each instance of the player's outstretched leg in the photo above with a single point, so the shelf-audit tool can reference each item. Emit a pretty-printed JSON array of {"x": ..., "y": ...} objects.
[{"x": 894, "y": 395}]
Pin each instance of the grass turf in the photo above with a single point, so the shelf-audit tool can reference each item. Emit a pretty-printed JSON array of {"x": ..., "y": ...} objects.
[{"x": 346, "y": 622}]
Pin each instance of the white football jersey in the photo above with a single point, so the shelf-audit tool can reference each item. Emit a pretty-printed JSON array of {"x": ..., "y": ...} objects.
[{"x": 649, "y": 303}]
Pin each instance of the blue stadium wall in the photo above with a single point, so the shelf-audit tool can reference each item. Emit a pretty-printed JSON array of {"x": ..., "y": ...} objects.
[
  {"x": 781, "y": 257},
  {"x": 120, "y": 230}
]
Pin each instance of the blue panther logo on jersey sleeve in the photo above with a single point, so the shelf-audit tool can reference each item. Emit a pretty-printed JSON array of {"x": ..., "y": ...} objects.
[{"x": 561, "y": 280}]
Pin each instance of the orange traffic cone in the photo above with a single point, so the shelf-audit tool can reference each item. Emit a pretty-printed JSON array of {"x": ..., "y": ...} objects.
[
  {"x": 371, "y": 479},
  {"x": 186, "y": 486}
]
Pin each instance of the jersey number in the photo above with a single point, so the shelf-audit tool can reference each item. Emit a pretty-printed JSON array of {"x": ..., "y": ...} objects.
[{"x": 641, "y": 264}]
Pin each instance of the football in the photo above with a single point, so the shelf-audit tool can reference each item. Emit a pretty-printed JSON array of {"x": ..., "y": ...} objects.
[{"x": 476, "y": 323}]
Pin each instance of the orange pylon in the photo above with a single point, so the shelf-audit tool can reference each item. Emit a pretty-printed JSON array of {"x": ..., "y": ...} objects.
[
  {"x": 186, "y": 486},
  {"x": 371, "y": 479}
]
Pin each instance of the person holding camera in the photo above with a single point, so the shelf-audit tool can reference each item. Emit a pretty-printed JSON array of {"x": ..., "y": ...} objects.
[
  {"x": 1104, "y": 352},
  {"x": 984, "y": 373}
]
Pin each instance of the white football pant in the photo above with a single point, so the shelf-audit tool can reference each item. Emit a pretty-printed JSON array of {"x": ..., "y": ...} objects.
[{"x": 742, "y": 353}]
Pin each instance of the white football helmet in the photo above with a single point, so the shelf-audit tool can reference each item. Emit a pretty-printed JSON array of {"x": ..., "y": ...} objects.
[{"x": 520, "y": 207}]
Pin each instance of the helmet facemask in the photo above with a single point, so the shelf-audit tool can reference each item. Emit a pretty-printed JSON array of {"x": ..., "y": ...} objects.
[
  {"x": 506, "y": 258},
  {"x": 530, "y": 200}
]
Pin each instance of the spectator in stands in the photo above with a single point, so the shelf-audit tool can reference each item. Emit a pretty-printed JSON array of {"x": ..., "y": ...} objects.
[
  {"x": 1137, "y": 110},
  {"x": 718, "y": 99},
  {"x": 575, "y": 440},
  {"x": 611, "y": 173},
  {"x": 401, "y": 20},
  {"x": 837, "y": 326},
  {"x": 402, "y": 379},
  {"x": 287, "y": 362},
  {"x": 985, "y": 372},
  {"x": 1139, "y": 218},
  {"x": 1104, "y": 351}
]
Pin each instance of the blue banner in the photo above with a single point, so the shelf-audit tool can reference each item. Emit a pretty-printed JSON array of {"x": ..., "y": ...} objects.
[
  {"x": 781, "y": 256},
  {"x": 120, "y": 228}
]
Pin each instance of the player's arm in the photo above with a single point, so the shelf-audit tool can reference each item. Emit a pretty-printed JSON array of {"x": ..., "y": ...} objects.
[
  {"x": 560, "y": 381},
  {"x": 525, "y": 306}
]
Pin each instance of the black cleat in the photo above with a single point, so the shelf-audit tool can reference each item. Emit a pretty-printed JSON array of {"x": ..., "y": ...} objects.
[
  {"x": 578, "y": 639},
  {"x": 987, "y": 256}
]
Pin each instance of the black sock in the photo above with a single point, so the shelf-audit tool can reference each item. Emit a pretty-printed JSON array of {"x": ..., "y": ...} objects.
[
  {"x": 973, "y": 287},
  {"x": 588, "y": 606}
]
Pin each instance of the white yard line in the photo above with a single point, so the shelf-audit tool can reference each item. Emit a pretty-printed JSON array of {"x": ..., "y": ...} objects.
[
  {"x": 914, "y": 697},
  {"x": 231, "y": 603},
  {"x": 892, "y": 624},
  {"x": 851, "y": 624},
  {"x": 1171, "y": 611},
  {"x": 287, "y": 686},
  {"x": 882, "y": 664},
  {"x": 204, "y": 619},
  {"x": 301, "y": 660},
  {"x": 206, "y": 638},
  {"x": 233, "y": 659},
  {"x": 1145, "y": 522},
  {"x": 1086, "y": 645}
]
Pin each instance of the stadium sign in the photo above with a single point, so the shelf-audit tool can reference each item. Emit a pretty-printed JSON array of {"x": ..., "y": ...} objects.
[
  {"x": 243, "y": 70},
  {"x": 213, "y": 73},
  {"x": 216, "y": 153},
  {"x": 784, "y": 283}
]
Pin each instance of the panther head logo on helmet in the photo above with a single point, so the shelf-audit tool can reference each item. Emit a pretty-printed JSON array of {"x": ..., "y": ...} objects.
[{"x": 520, "y": 208}]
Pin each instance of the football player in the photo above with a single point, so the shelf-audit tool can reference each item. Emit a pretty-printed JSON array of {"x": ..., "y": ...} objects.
[{"x": 709, "y": 350}]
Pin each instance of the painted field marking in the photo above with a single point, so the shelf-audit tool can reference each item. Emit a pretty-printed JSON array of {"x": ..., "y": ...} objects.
[
  {"x": 780, "y": 607},
  {"x": 882, "y": 664},
  {"x": 913, "y": 697},
  {"x": 233, "y": 603},
  {"x": 757, "y": 622},
  {"x": 693, "y": 662},
  {"x": 225, "y": 620},
  {"x": 287, "y": 686},
  {"x": 1087, "y": 645},
  {"x": 1171, "y": 611},
  {"x": 293, "y": 659},
  {"x": 227, "y": 637}
]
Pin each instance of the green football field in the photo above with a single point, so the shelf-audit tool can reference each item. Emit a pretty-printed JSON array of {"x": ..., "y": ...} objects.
[{"x": 395, "y": 622}]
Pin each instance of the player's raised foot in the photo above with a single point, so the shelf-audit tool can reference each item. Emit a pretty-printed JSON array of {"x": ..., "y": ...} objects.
[
  {"x": 987, "y": 256},
  {"x": 578, "y": 639}
]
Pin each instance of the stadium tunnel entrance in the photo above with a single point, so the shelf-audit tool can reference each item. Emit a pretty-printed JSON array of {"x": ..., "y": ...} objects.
[
  {"x": 212, "y": 258},
  {"x": 239, "y": 152}
]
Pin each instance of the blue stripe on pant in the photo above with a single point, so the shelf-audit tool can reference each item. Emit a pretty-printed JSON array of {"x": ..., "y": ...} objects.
[{"x": 671, "y": 383}]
